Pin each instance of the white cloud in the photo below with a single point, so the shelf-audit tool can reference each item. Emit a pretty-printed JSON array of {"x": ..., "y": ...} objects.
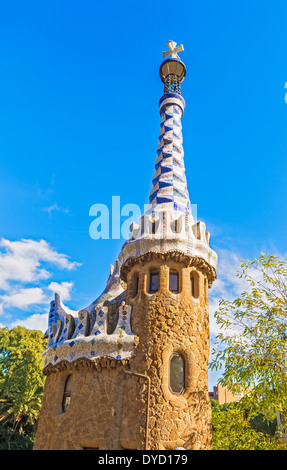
[
  {"x": 62, "y": 288},
  {"x": 25, "y": 265},
  {"x": 22, "y": 261},
  {"x": 23, "y": 298},
  {"x": 55, "y": 207},
  {"x": 38, "y": 321}
]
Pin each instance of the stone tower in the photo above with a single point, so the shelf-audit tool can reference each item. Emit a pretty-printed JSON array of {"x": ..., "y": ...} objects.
[{"x": 130, "y": 370}]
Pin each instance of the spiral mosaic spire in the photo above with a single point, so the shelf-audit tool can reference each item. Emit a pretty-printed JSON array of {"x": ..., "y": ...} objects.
[{"x": 169, "y": 186}]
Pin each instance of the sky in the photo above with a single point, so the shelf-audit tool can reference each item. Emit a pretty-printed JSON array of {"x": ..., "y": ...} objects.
[{"x": 79, "y": 124}]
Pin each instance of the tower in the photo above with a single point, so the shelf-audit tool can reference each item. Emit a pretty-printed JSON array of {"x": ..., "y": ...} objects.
[{"x": 130, "y": 370}]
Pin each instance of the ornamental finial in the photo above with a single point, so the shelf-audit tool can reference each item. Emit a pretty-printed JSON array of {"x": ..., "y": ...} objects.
[
  {"x": 173, "y": 49},
  {"x": 172, "y": 71}
]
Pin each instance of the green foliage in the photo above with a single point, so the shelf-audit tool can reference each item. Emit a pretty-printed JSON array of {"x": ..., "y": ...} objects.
[
  {"x": 11, "y": 440},
  {"x": 251, "y": 347},
  {"x": 261, "y": 424},
  {"x": 21, "y": 380},
  {"x": 233, "y": 430}
]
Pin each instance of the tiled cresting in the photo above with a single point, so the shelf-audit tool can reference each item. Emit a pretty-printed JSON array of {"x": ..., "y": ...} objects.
[{"x": 84, "y": 333}]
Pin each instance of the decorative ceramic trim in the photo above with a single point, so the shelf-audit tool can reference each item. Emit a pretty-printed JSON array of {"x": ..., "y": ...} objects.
[
  {"x": 91, "y": 347},
  {"x": 173, "y": 255},
  {"x": 170, "y": 100},
  {"x": 98, "y": 364}
]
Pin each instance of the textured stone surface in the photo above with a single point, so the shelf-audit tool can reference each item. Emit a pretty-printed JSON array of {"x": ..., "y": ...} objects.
[
  {"x": 93, "y": 418},
  {"x": 108, "y": 407},
  {"x": 167, "y": 323}
]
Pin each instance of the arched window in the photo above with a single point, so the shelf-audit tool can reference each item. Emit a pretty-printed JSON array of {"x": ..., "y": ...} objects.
[
  {"x": 205, "y": 290},
  {"x": 173, "y": 281},
  {"x": 192, "y": 285},
  {"x": 134, "y": 285},
  {"x": 174, "y": 226},
  {"x": 67, "y": 393},
  {"x": 153, "y": 226},
  {"x": 154, "y": 281},
  {"x": 177, "y": 373}
]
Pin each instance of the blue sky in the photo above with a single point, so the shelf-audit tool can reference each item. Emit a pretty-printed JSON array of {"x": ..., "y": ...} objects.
[{"x": 79, "y": 123}]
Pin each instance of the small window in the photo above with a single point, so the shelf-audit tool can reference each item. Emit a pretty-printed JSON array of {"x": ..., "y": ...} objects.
[
  {"x": 153, "y": 226},
  {"x": 135, "y": 285},
  {"x": 192, "y": 285},
  {"x": 177, "y": 373},
  {"x": 173, "y": 281},
  {"x": 67, "y": 393},
  {"x": 174, "y": 225},
  {"x": 154, "y": 281},
  {"x": 205, "y": 290}
]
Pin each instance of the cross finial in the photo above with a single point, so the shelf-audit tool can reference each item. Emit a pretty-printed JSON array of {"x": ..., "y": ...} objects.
[{"x": 173, "y": 49}]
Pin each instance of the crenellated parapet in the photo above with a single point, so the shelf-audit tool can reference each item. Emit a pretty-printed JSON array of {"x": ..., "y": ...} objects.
[{"x": 168, "y": 231}]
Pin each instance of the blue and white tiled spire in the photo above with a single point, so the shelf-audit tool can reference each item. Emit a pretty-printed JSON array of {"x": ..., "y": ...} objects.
[
  {"x": 168, "y": 223},
  {"x": 169, "y": 187},
  {"x": 166, "y": 226}
]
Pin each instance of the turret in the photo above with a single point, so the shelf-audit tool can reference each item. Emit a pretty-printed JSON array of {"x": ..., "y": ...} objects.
[
  {"x": 129, "y": 371},
  {"x": 168, "y": 266}
]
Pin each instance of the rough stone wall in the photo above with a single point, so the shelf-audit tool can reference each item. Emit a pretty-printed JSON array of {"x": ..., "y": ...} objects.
[
  {"x": 167, "y": 323},
  {"x": 108, "y": 407},
  {"x": 93, "y": 418}
]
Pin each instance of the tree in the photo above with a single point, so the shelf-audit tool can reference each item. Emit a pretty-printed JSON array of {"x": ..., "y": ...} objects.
[
  {"x": 251, "y": 347},
  {"x": 21, "y": 379},
  {"x": 232, "y": 431}
]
